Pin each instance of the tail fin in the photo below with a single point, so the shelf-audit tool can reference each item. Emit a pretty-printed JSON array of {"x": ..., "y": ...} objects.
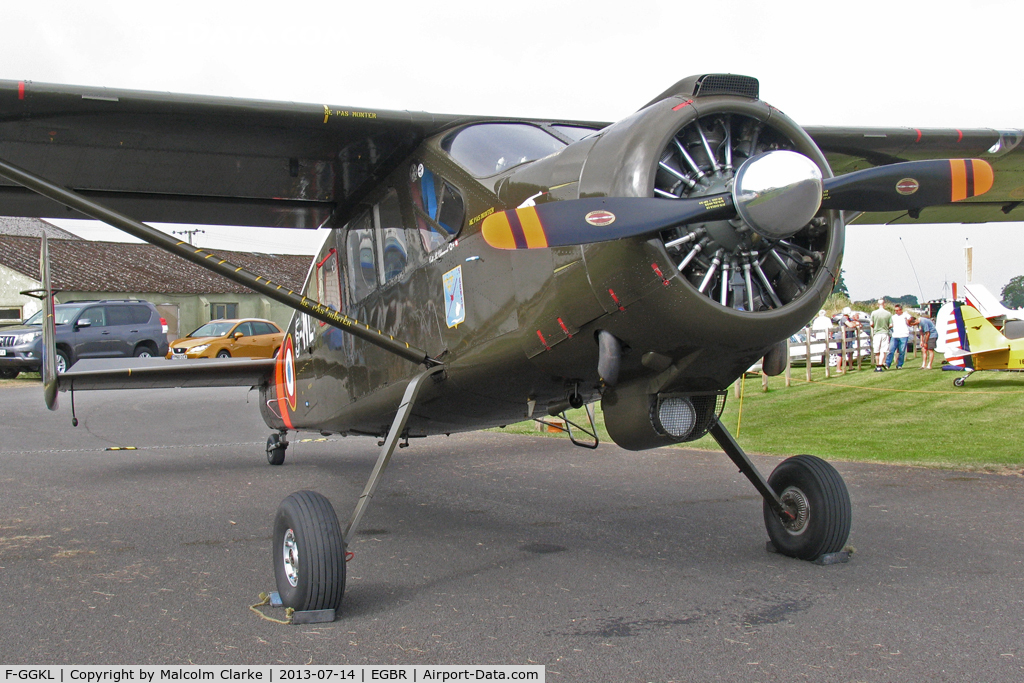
[{"x": 976, "y": 333}]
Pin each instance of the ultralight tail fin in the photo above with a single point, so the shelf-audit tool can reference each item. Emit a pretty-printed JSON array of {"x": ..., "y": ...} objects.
[{"x": 975, "y": 333}]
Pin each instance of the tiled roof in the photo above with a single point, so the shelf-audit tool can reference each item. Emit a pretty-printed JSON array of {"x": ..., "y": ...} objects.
[
  {"x": 86, "y": 266},
  {"x": 32, "y": 227}
]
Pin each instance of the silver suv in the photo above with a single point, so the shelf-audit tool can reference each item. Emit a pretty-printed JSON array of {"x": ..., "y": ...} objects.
[{"x": 85, "y": 329}]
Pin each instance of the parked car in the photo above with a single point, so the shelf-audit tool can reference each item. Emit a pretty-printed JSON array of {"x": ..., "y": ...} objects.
[
  {"x": 238, "y": 337},
  {"x": 85, "y": 329}
]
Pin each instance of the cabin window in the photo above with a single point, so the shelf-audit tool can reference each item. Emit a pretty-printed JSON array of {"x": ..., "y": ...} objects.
[
  {"x": 362, "y": 267},
  {"x": 438, "y": 206},
  {"x": 328, "y": 282},
  {"x": 489, "y": 148},
  {"x": 391, "y": 241}
]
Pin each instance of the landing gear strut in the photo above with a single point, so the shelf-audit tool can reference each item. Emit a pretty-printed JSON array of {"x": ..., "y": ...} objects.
[
  {"x": 807, "y": 509},
  {"x": 309, "y": 546}
]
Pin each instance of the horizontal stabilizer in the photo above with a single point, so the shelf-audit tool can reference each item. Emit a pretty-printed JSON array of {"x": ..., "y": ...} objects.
[{"x": 158, "y": 373}]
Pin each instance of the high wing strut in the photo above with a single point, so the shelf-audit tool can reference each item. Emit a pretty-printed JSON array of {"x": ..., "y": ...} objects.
[{"x": 207, "y": 260}]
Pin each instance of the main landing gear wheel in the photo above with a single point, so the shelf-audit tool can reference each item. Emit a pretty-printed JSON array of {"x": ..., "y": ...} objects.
[
  {"x": 814, "y": 492},
  {"x": 309, "y": 553}
]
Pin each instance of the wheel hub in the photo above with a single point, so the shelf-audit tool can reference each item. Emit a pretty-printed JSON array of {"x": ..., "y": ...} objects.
[
  {"x": 290, "y": 550},
  {"x": 795, "y": 502}
]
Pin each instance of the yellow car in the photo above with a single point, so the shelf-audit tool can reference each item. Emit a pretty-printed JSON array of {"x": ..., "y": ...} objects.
[{"x": 238, "y": 338}]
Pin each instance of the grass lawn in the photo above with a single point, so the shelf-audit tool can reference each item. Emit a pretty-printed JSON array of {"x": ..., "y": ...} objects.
[{"x": 909, "y": 416}]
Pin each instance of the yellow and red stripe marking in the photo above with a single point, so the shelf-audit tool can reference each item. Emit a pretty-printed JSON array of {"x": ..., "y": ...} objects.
[
  {"x": 519, "y": 229},
  {"x": 969, "y": 178}
]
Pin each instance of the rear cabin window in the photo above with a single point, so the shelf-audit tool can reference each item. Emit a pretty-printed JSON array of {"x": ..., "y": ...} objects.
[
  {"x": 393, "y": 251},
  {"x": 438, "y": 206},
  {"x": 489, "y": 148},
  {"x": 362, "y": 266},
  {"x": 328, "y": 282}
]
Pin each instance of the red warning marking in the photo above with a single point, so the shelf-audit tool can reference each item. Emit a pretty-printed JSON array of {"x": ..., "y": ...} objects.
[
  {"x": 21, "y": 90},
  {"x": 657, "y": 271},
  {"x": 616, "y": 299}
]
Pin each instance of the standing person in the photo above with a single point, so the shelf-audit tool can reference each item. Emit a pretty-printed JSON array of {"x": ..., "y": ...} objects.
[
  {"x": 929, "y": 338},
  {"x": 881, "y": 324},
  {"x": 900, "y": 336},
  {"x": 850, "y": 327}
]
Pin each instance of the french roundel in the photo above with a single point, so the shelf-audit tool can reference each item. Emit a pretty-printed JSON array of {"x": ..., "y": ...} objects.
[
  {"x": 285, "y": 375},
  {"x": 289, "y": 372}
]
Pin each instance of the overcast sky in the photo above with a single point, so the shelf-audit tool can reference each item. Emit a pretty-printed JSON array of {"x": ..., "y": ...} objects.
[{"x": 919, "y": 64}]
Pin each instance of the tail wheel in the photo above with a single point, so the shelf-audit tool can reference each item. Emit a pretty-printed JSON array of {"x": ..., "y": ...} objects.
[
  {"x": 728, "y": 261},
  {"x": 309, "y": 553},
  {"x": 816, "y": 496},
  {"x": 276, "y": 449}
]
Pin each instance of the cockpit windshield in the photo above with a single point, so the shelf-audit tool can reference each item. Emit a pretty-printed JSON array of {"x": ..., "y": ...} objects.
[{"x": 489, "y": 148}]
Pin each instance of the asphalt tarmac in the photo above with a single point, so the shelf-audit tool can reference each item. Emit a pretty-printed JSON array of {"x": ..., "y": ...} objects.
[{"x": 485, "y": 548}]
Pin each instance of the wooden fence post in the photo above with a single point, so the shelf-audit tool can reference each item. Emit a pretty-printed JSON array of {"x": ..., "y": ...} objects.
[{"x": 807, "y": 358}]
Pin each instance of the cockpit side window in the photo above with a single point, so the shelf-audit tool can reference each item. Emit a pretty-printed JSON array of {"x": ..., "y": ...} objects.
[
  {"x": 439, "y": 208},
  {"x": 489, "y": 148}
]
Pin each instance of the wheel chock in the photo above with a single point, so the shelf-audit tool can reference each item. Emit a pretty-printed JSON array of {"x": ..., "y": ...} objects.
[
  {"x": 314, "y": 616},
  {"x": 273, "y": 599},
  {"x": 840, "y": 557}
]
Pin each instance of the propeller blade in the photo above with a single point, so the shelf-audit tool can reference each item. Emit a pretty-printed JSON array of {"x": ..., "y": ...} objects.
[
  {"x": 597, "y": 219},
  {"x": 908, "y": 185}
]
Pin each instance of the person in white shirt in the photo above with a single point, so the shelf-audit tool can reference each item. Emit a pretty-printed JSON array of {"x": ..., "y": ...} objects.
[
  {"x": 820, "y": 326},
  {"x": 901, "y": 323}
]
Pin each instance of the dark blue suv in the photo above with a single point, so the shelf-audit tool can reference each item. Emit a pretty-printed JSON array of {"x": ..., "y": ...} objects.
[{"x": 85, "y": 329}]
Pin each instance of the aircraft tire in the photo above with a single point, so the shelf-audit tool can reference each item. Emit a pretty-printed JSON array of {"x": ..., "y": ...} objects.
[
  {"x": 308, "y": 553},
  {"x": 275, "y": 449},
  {"x": 959, "y": 381},
  {"x": 816, "y": 493}
]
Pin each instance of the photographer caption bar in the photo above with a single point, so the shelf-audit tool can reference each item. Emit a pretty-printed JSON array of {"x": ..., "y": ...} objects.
[{"x": 272, "y": 674}]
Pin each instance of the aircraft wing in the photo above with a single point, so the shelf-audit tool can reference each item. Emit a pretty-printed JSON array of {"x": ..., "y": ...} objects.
[
  {"x": 157, "y": 373},
  {"x": 192, "y": 159},
  {"x": 172, "y": 158},
  {"x": 852, "y": 149}
]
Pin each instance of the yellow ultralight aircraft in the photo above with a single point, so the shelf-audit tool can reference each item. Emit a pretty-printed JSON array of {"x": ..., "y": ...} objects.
[{"x": 984, "y": 347}]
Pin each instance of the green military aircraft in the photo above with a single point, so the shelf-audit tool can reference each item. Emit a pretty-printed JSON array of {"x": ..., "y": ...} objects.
[{"x": 479, "y": 271}]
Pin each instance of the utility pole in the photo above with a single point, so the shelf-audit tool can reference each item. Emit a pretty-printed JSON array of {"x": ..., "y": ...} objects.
[{"x": 190, "y": 233}]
